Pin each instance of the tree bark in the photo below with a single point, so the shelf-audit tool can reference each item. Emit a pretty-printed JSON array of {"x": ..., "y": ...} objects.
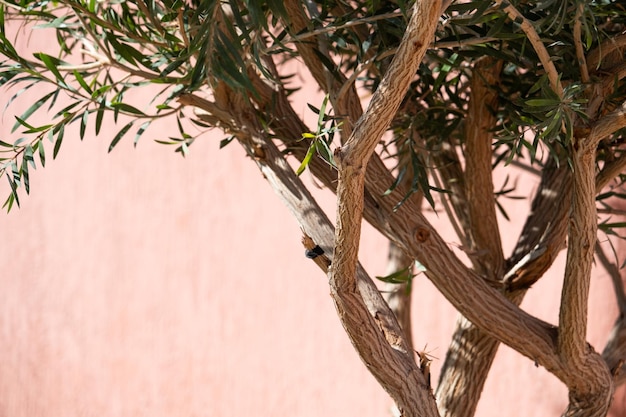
[{"x": 352, "y": 161}]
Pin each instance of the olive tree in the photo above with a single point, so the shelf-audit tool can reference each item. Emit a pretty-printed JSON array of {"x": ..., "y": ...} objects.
[{"x": 455, "y": 89}]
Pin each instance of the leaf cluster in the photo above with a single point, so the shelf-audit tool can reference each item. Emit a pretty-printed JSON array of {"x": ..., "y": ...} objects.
[{"x": 108, "y": 53}]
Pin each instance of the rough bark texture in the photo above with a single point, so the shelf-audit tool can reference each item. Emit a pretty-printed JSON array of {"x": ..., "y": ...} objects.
[
  {"x": 398, "y": 296},
  {"x": 369, "y": 321},
  {"x": 468, "y": 291},
  {"x": 592, "y": 395},
  {"x": 471, "y": 352},
  {"x": 352, "y": 160},
  {"x": 486, "y": 250}
]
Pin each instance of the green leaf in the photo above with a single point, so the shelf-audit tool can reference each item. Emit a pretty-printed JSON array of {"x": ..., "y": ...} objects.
[
  {"x": 226, "y": 141},
  {"x": 42, "y": 153},
  {"x": 51, "y": 63},
  {"x": 141, "y": 131},
  {"x": 82, "y": 82},
  {"x": 542, "y": 102},
  {"x": 307, "y": 158},
  {"x": 127, "y": 108},
  {"x": 83, "y": 124},
  {"x": 33, "y": 108},
  {"x": 120, "y": 134},
  {"x": 402, "y": 276},
  {"x": 325, "y": 152},
  {"x": 13, "y": 197},
  {"x": 122, "y": 50},
  {"x": 59, "y": 140},
  {"x": 99, "y": 115},
  {"x": 322, "y": 112},
  {"x": 25, "y": 176}
]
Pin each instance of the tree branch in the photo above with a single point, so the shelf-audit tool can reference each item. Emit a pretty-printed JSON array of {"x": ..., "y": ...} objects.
[
  {"x": 609, "y": 171},
  {"x": 486, "y": 252},
  {"x": 608, "y": 124},
  {"x": 465, "y": 370},
  {"x": 582, "y": 238},
  {"x": 544, "y": 232},
  {"x": 615, "y": 349},
  {"x": 451, "y": 173},
  {"x": 353, "y": 157},
  {"x": 578, "y": 44},
  {"x": 616, "y": 278},
  {"x": 606, "y": 48},
  {"x": 535, "y": 40},
  {"x": 369, "y": 322},
  {"x": 572, "y": 347}
]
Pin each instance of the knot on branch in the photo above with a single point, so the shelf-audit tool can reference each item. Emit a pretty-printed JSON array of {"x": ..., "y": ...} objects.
[
  {"x": 339, "y": 156},
  {"x": 422, "y": 234}
]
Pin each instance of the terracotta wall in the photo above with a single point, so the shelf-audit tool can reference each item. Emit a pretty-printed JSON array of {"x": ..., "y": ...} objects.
[{"x": 141, "y": 284}]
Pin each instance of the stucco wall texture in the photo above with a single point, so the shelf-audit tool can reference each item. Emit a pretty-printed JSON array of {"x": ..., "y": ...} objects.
[{"x": 139, "y": 283}]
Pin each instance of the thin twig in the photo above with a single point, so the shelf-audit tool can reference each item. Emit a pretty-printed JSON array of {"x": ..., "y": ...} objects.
[
  {"x": 580, "y": 53},
  {"x": 537, "y": 44}
]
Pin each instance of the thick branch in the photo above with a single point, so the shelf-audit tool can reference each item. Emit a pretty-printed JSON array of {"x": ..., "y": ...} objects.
[
  {"x": 471, "y": 353},
  {"x": 608, "y": 47},
  {"x": 571, "y": 343},
  {"x": 543, "y": 235},
  {"x": 370, "y": 323},
  {"x": 352, "y": 159},
  {"x": 608, "y": 124},
  {"x": 487, "y": 248},
  {"x": 609, "y": 171},
  {"x": 582, "y": 239},
  {"x": 465, "y": 370}
]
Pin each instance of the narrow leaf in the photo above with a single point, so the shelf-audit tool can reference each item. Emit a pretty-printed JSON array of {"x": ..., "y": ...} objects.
[{"x": 120, "y": 134}]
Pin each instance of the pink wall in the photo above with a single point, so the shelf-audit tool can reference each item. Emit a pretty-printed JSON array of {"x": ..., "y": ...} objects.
[{"x": 142, "y": 284}]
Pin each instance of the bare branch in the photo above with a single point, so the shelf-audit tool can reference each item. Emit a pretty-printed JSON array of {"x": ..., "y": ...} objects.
[
  {"x": 543, "y": 235},
  {"x": 465, "y": 369},
  {"x": 608, "y": 124},
  {"x": 572, "y": 345},
  {"x": 582, "y": 237},
  {"x": 609, "y": 171},
  {"x": 606, "y": 48},
  {"x": 537, "y": 44},
  {"x": 369, "y": 322},
  {"x": 487, "y": 245},
  {"x": 580, "y": 52},
  {"x": 352, "y": 160}
]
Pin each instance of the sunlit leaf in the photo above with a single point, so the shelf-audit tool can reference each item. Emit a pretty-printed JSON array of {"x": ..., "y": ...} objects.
[{"x": 120, "y": 134}]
